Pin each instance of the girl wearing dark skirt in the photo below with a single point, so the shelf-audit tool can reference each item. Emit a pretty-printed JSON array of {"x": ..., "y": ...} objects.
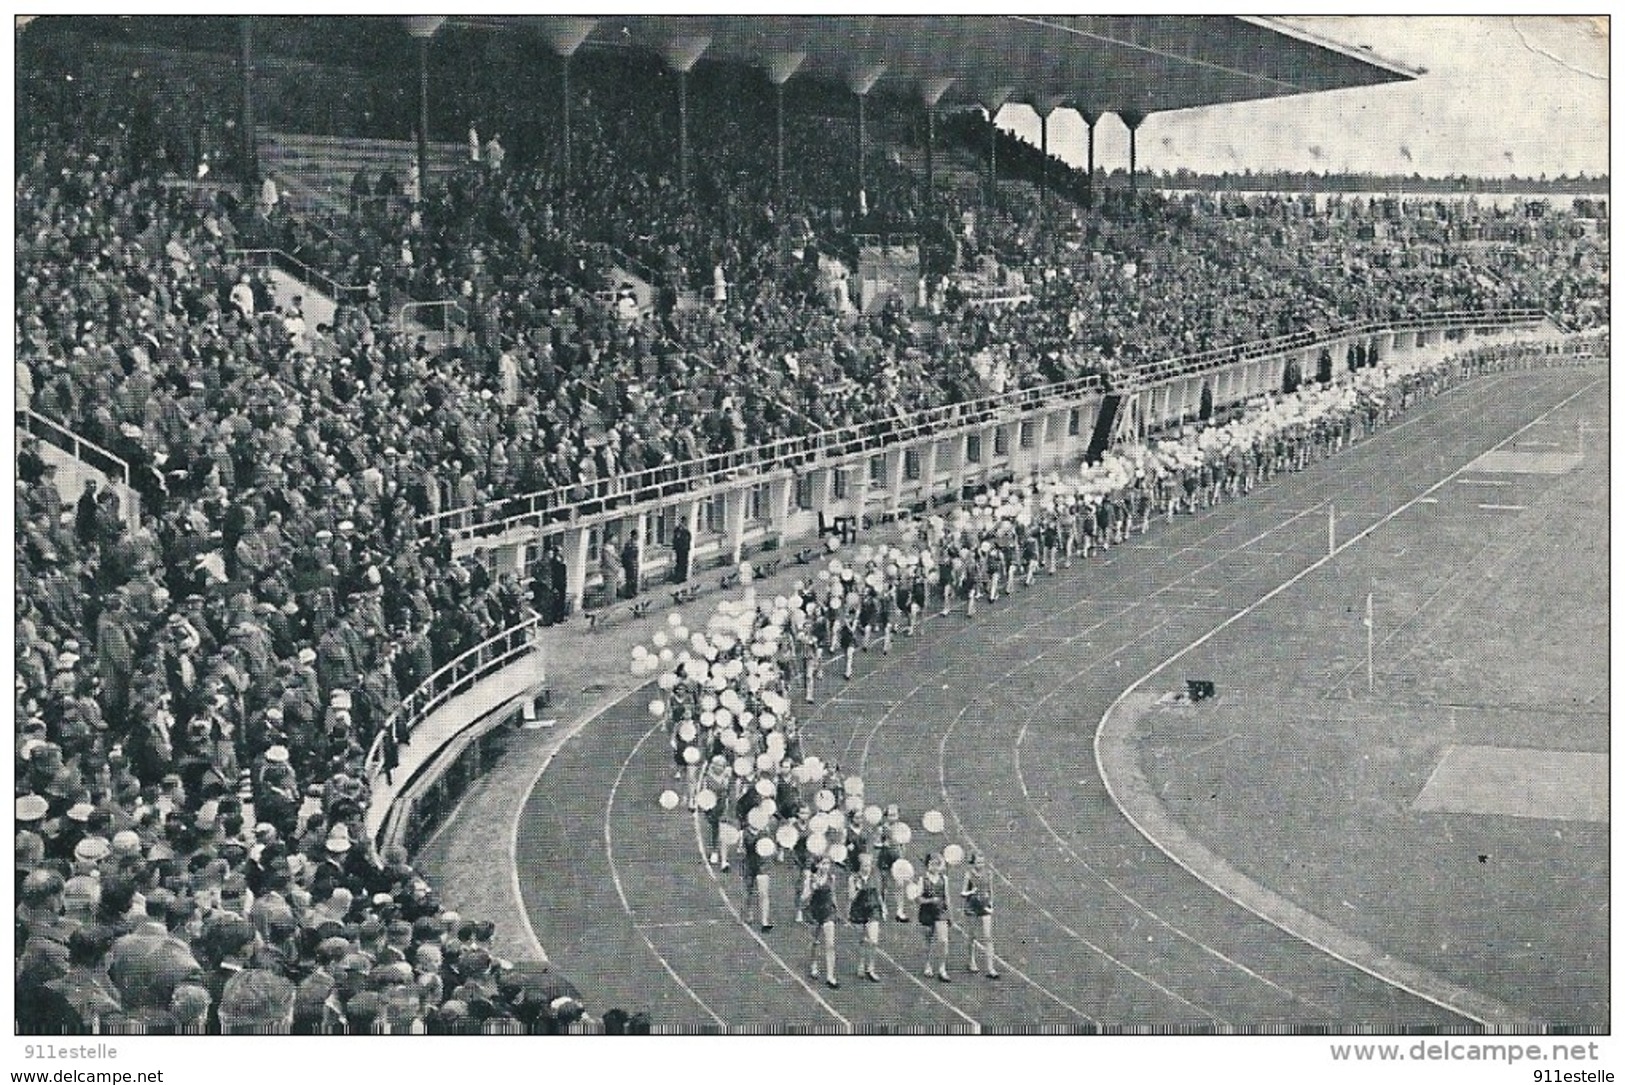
[
  {"x": 934, "y": 917},
  {"x": 863, "y": 895},
  {"x": 819, "y": 907},
  {"x": 978, "y": 896}
]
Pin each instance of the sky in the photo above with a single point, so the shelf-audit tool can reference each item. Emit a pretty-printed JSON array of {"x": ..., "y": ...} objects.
[{"x": 1501, "y": 95}]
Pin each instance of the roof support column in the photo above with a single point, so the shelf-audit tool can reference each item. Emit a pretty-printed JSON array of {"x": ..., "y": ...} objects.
[
  {"x": 423, "y": 27},
  {"x": 681, "y": 54},
  {"x": 931, "y": 92},
  {"x": 780, "y": 67},
  {"x": 1090, "y": 118},
  {"x": 1133, "y": 118},
  {"x": 860, "y": 82},
  {"x": 1044, "y": 107},
  {"x": 993, "y": 103},
  {"x": 565, "y": 35},
  {"x": 251, "y": 150}
]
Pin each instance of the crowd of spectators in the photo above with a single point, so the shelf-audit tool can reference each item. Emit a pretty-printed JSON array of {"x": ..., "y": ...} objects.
[{"x": 198, "y": 687}]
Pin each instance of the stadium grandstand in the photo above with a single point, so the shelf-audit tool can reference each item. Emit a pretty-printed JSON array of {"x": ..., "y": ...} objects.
[{"x": 439, "y": 434}]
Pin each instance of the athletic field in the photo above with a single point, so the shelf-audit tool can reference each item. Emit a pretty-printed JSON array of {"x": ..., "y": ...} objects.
[{"x": 1299, "y": 854}]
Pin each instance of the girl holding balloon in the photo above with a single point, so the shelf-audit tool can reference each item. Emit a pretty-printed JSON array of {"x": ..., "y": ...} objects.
[
  {"x": 716, "y": 788},
  {"x": 818, "y": 902},
  {"x": 934, "y": 917},
  {"x": 978, "y": 896},
  {"x": 758, "y": 848},
  {"x": 865, "y": 909},
  {"x": 889, "y": 838}
]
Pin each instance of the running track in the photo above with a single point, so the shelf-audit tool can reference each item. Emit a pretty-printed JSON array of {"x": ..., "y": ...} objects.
[{"x": 992, "y": 721}]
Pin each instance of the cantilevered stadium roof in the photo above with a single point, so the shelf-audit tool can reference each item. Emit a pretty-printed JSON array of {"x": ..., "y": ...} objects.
[{"x": 1105, "y": 64}]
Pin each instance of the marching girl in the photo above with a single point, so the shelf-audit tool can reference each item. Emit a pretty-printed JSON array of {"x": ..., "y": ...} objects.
[
  {"x": 978, "y": 896},
  {"x": 1052, "y": 542},
  {"x": 934, "y": 917},
  {"x": 718, "y": 778},
  {"x": 847, "y": 630},
  {"x": 965, "y": 569},
  {"x": 887, "y": 852},
  {"x": 818, "y": 902},
  {"x": 865, "y": 910},
  {"x": 903, "y": 595},
  {"x": 1029, "y": 556},
  {"x": 995, "y": 571},
  {"x": 945, "y": 581},
  {"x": 886, "y": 617},
  {"x": 916, "y": 601},
  {"x": 818, "y": 634},
  {"x": 869, "y": 615},
  {"x": 1067, "y": 525},
  {"x": 754, "y": 868}
]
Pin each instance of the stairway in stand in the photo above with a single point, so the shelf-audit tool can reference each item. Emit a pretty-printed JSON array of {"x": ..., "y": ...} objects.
[{"x": 316, "y": 171}]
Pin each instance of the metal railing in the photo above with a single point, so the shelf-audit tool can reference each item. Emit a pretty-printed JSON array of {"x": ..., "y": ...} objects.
[
  {"x": 457, "y": 676},
  {"x": 564, "y": 503},
  {"x": 341, "y": 293},
  {"x": 445, "y": 317},
  {"x": 1190, "y": 365},
  {"x": 60, "y": 436},
  {"x": 560, "y": 503}
]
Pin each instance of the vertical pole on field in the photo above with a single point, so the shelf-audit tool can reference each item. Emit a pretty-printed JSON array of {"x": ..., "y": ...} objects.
[
  {"x": 1370, "y": 639},
  {"x": 1331, "y": 530}
]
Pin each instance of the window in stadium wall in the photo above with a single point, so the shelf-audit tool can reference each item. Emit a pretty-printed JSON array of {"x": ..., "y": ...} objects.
[
  {"x": 1074, "y": 422},
  {"x": 756, "y": 503},
  {"x": 804, "y": 493},
  {"x": 911, "y": 465},
  {"x": 711, "y": 512},
  {"x": 1001, "y": 441},
  {"x": 877, "y": 469},
  {"x": 973, "y": 448},
  {"x": 661, "y": 524},
  {"x": 840, "y": 482},
  {"x": 595, "y": 544},
  {"x": 1027, "y": 433}
]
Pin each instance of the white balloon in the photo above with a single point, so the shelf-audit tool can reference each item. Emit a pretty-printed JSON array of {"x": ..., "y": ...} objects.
[
  {"x": 932, "y": 821},
  {"x": 953, "y": 855},
  {"x": 902, "y": 870},
  {"x": 669, "y": 800}
]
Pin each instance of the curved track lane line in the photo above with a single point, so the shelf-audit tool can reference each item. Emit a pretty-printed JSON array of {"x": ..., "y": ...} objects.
[
  {"x": 1118, "y": 766},
  {"x": 620, "y": 890}
]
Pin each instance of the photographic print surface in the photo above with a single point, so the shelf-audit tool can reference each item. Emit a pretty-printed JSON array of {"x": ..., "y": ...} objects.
[{"x": 814, "y": 525}]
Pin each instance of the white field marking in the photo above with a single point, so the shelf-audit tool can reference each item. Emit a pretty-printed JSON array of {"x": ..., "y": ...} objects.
[
  {"x": 1520, "y": 544},
  {"x": 1100, "y": 765},
  {"x": 1505, "y": 508},
  {"x": 863, "y": 759},
  {"x": 518, "y": 812},
  {"x": 1485, "y": 481},
  {"x": 976, "y": 1027},
  {"x": 1427, "y": 501},
  {"x": 970, "y": 841},
  {"x": 1021, "y": 778},
  {"x": 1537, "y": 444},
  {"x": 678, "y": 923},
  {"x": 620, "y": 890},
  {"x": 727, "y": 901}
]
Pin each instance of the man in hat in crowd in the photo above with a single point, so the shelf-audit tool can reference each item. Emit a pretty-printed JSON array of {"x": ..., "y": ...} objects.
[{"x": 276, "y": 791}]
